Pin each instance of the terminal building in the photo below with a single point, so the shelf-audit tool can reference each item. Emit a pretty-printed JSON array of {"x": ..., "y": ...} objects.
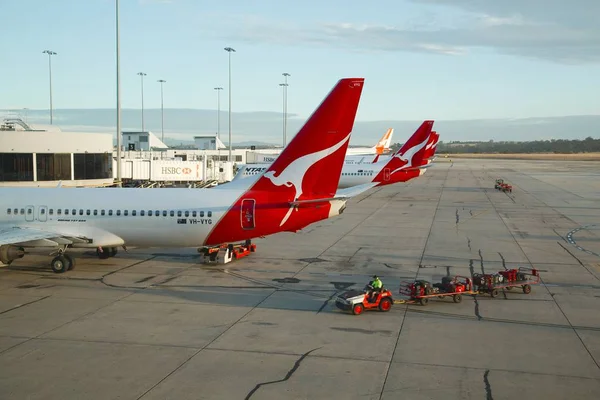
[
  {"x": 38, "y": 157},
  {"x": 32, "y": 156}
]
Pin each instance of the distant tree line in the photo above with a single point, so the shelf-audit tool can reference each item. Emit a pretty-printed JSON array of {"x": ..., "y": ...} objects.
[{"x": 558, "y": 146}]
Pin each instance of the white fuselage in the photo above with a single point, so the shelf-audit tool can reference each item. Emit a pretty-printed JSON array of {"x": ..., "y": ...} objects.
[
  {"x": 185, "y": 216},
  {"x": 352, "y": 174}
]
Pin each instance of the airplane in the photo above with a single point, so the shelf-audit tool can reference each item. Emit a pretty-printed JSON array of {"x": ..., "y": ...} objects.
[
  {"x": 369, "y": 159},
  {"x": 298, "y": 189},
  {"x": 382, "y": 147},
  {"x": 407, "y": 163}
]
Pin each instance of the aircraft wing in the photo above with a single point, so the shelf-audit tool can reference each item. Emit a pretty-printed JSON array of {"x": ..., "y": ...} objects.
[
  {"x": 354, "y": 190},
  {"x": 51, "y": 236},
  {"x": 14, "y": 235}
]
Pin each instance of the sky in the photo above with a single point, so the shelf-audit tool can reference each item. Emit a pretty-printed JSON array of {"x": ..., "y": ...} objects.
[{"x": 421, "y": 59}]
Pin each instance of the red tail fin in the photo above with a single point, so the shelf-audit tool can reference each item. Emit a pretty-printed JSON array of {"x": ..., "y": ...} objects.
[
  {"x": 431, "y": 145},
  {"x": 411, "y": 154},
  {"x": 309, "y": 168},
  {"x": 313, "y": 160}
]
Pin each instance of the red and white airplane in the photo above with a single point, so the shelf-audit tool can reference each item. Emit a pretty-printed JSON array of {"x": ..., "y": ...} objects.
[
  {"x": 369, "y": 159},
  {"x": 409, "y": 162},
  {"x": 298, "y": 189}
]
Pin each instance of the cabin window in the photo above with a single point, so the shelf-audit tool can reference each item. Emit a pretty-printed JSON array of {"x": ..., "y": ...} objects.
[
  {"x": 164, "y": 213},
  {"x": 110, "y": 212},
  {"x": 51, "y": 211},
  {"x": 187, "y": 213},
  {"x": 172, "y": 213},
  {"x": 95, "y": 212},
  {"x": 134, "y": 212},
  {"x": 157, "y": 213},
  {"x": 125, "y": 212},
  {"x": 43, "y": 211},
  {"x": 118, "y": 213},
  {"x": 201, "y": 214},
  {"x": 194, "y": 214},
  {"x": 142, "y": 213},
  {"x": 29, "y": 211},
  {"x": 88, "y": 212},
  {"x": 9, "y": 211},
  {"x": 80, "y": 211},
  {"x": 209, "y": 214},
  {"x": 149, "y": 213},
  {"x": 59, "y": 211},
  {"x": 16, "y": 211},
  {"x": 179, "y": 213},
  {"x": 73, "y": 212},
  {"x": 22, "y": 211},
  {"x": 102, "y": 212}
]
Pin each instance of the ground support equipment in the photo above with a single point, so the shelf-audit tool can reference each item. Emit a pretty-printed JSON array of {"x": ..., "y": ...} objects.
[
  {"x": 420, "y": 291},
  {"x": 226, "y": 253},
  {"x": 357, "y": 301},
  {"x": 493, "y": 283}
]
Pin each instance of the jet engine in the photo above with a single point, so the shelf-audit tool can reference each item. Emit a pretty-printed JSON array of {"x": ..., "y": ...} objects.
[{"x": 10, "y": 253}]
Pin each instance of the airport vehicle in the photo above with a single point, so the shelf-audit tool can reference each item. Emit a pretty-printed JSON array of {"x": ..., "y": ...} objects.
[
  {"x": 512, "y": 278},
  {"x": 298, "y": 189},
  {"x": 501, "y": 185},
  {"x": 420, "y": 291},
  {"x": 357, "y": 301},
  {"x": 409, "y": 162}
]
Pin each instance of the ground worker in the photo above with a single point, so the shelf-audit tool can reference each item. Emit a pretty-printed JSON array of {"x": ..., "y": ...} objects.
[{"x": 376, "y": 284}]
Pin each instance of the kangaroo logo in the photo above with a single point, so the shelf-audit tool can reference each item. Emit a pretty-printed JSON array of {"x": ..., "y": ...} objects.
[
  {"x": 432, "y": 144},
  {"x": 293, "y": 174},
  {"x": 409, "y": 155}
]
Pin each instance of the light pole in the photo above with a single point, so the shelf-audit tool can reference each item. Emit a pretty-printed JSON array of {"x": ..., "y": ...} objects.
[
  {"x": 285, "y": 75},
  {"x": 162, "y": 117},
  {"x": 50, "y": 54},
  {"x": 141, "y": 74},
  {"x": 218, "y": 89},
  {"x": 119, "y": 184},
  {"x": 230, "y": 50},
  {"x": 284, "y": 86}
]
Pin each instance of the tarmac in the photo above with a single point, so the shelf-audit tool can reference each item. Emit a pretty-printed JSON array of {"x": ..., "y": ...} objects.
[{"x": 155, "y": 324}]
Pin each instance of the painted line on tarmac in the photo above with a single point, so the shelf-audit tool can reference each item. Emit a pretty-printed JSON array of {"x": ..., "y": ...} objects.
[{"x": 574, "y": 243}]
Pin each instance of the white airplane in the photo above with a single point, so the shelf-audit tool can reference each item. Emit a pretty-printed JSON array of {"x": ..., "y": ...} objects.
[
  {"x": 298, "y": 189},
  {"x": 409, "y": 162},
  {"x": 382, "y": 147}
]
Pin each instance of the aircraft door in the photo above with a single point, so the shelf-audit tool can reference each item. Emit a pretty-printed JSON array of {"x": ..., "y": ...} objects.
[
  {"x": 247, "y": 213},
  {"x": 43, "y": 213},
  {"x": 29, "y": 213},
  {"x": 386, "y": 174}
]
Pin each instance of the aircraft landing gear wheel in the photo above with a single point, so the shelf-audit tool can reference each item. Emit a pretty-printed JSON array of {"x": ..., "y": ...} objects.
[
  {"x": 385, "y": 304},
  {"x": 59, "y": 264},
  {"x": 104, "y": 254},
  {"x": 70, "y": 261},
  {"x": 112, "y": 251},
  {"x": 357, "y": 309}
]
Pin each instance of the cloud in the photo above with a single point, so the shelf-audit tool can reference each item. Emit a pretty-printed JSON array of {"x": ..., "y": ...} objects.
[{"x": 552, "y": 30}]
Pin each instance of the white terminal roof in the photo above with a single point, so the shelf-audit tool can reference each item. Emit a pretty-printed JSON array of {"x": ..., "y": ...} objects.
[
  {"x": 21, "y": 140},
  {"x": 153, "y": 141}
]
